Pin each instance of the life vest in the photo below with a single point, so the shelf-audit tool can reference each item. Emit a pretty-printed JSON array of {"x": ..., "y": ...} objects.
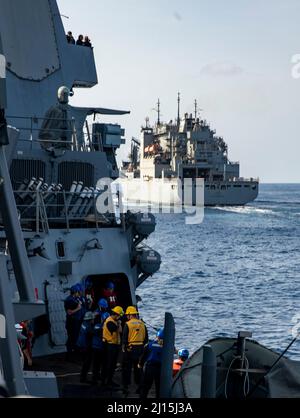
[
  {"x": 177, "y": 364},
  {"x": 136, "y": 332},
  {"x": 111, "y": 298},
  {"x": 155, "y": 353},
  {"x": 108, "y": 337}
]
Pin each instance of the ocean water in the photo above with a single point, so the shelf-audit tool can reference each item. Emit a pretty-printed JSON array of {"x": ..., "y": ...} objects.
[{"x": 237, "y": 270}]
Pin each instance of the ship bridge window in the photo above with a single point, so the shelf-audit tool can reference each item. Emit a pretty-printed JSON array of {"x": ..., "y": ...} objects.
[
  {"x": 121, "y": 283},
  {"x": 223, "y": 187},
  {"x": 246, "y": 185},
  {"x": 213, "y": 187},
  {"x": 237, "y": 185}
]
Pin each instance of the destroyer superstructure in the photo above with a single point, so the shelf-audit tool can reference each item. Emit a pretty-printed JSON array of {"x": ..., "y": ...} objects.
[{"x": 56, "y": 161}]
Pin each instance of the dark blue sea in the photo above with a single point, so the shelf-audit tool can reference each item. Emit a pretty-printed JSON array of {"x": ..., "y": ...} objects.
[{"x": 237, "y": 270}]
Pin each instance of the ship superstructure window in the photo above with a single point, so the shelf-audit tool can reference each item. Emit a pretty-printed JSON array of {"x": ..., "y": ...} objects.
[{"x": 60, "y": 249}]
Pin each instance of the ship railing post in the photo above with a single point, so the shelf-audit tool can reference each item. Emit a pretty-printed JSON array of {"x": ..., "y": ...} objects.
[
  {"x": 31, "y": 132},
  {"x": 209, "y": 373},
  {"x": 166, "y": 377},
  {"x": 66, "y": 209},
  {"x": 95, "y": 211}
]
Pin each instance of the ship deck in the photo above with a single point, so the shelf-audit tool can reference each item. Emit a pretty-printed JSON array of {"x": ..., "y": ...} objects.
[{"x": 68, "y": 379}]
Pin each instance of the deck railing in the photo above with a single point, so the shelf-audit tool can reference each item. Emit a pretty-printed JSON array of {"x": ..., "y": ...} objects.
[{"x": 88, "y": 142}]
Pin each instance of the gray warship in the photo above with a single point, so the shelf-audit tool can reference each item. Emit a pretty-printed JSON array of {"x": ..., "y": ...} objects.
[
  {"x": 188, "y": 148},
  {"x": 55, "y": 160},
  {"x": 52, "y": 234}
]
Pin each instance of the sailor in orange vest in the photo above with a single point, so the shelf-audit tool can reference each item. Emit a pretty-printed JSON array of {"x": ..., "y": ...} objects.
[
  {"x": 135, "y": 337},
  {"x": 183, "y": 355},
  {"x": 112, "y": 330}
]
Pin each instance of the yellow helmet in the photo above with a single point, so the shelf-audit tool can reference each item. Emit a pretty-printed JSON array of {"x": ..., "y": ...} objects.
[
  {"x": 131, "y": 310},
  {"x": 118, "y": 310}
]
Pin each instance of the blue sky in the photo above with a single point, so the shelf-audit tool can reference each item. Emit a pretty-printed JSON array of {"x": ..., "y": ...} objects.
[{"x": 233, "y": 56}]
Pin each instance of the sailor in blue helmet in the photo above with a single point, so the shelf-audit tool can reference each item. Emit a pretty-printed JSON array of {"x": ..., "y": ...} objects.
[
  {"x": 74, "y": 315},
  {"x": 101, "y": 310},
  {"x": 110, "y": 295},
  {"x": 89, "y": 293},
  {"x": 183, "y": 355},
  {"x": 151, "y": 364}
]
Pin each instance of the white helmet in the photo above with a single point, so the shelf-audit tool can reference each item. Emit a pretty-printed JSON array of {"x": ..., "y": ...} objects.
[{"x": 63, "y": 95}]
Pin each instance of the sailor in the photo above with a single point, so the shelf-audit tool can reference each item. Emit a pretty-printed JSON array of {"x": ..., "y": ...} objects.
[
  {"x": 87, "y": 42},
  {"x": 85, "y": 304},
  {"x": 74, "y": 313},
  {"x": 110, "y": 295},
  {"x": 112, "y": 330},
  {"x": 84, "y": 343},
  {"x": 151, "y": 364},
  {"x": 134, "y": 339},
  {"x": 101, "y": 311},
  {"x": 70, "y": 38},
  {"x": 98, "y": 348},
  {"x": 56, "y": 127},
  {"x": 183, "y": 355},
  {"x": 79, "y": 40},
  {"x": 89, "y": 293},
  {"x": 27, "y": 342}
]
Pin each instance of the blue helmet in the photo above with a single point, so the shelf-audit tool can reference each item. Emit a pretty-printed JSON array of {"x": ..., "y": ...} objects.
[
  {"x": 110, "y": 285},
  {"x": 103, "y": 303},
  {"x": 78, "y": 287},
  {"x": 160, "y": 334},
  {"x": 74, "y": 289},
  {"x": 183, "y": 353}
]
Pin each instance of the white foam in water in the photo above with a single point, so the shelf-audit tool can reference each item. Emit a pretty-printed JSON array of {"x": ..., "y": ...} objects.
[{"x": 247, "y": 210}]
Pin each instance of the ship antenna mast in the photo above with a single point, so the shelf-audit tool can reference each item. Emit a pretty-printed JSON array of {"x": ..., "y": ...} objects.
[
  {"x": 178, "y": 112},
  {"x": 196, "y": 108},
  {"x": 158, "y": 112}
]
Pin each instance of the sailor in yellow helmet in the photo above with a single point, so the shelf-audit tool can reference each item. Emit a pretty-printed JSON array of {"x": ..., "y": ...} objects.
[
  {"x": 112, "y": 330},
  {"x": 135, "y": 337}
]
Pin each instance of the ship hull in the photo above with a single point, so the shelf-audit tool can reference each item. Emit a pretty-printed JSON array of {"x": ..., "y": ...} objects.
[
  {"x": 167, "y": 191},
  {"x": 230, "y": 193}
]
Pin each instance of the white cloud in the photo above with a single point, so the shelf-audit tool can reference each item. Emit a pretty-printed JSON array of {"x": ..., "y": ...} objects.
[{"x": 223, "y": 69}]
